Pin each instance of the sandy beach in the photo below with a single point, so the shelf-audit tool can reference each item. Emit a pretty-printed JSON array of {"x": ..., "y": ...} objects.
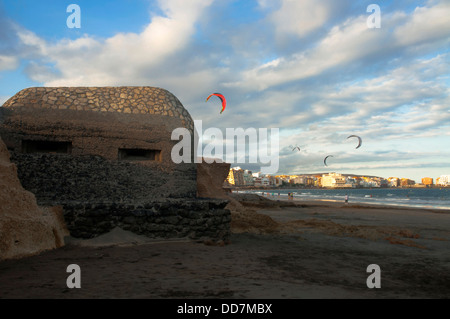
[{"x": 278, "y": 250}]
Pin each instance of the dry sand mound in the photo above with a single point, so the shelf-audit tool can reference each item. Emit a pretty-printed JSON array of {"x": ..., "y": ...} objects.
[
  {"x": 25, "y": 228},
  {"x": 117, "y": 237},
  {"x": 245, "y": 218},
  {"x": 250, "y": 221},
  {"x": 360, "y": 231}
]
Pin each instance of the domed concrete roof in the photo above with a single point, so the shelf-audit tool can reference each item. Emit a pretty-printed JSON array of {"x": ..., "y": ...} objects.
[{"x": 125, "y": 99}]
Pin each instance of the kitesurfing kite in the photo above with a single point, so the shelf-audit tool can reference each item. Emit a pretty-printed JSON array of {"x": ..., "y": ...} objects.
[
  {"x": 359, "y": 139},
  {"x": 221, "y": 97},
  {"x": 325, "y": 159},
  {"x": 293, "y": 148}
]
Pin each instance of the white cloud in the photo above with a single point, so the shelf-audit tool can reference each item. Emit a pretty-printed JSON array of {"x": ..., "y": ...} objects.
[
  {"x": 8, "y": 63},
  {"x": 301, "y": 17},
  {"x": 355, "y": 103},
  {"x": 425, "y": 25},
  {"x": 351, "y": 42},
  {"x": 121, "y": 59},
  {"x": 343, "y": 44}
]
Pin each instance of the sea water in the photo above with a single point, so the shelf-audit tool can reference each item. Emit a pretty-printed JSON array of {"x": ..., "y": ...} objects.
[{"x": 437, "y": 198}]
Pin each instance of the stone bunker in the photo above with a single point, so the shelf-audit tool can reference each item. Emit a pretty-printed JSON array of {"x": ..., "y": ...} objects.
[{"x": 104, "y": 155}]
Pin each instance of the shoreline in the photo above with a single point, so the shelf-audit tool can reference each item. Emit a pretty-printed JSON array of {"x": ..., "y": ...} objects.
[
  {"x": 334, "y": 188},
  {"x": 369, "y": 205},
  {"x": 352, "y": 200}
]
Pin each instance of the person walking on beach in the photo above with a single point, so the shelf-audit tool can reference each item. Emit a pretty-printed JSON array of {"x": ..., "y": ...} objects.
[{"x": 346, "y": 198}]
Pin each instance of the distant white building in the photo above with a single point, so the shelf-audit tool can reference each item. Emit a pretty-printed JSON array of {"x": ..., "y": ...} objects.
[
  {"x": 443, "y": 180},
  {"x": 334, "y": 180},
  {"x": 393, "y": 181},
  {"x": 258, "y": 174}
]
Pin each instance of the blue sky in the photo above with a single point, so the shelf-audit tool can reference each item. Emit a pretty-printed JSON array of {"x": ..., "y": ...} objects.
[{"x": 311, "y": 68}]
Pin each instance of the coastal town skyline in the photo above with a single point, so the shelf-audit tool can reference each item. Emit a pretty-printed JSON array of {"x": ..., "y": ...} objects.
[
  {"x": 240, "y": 177},
  {"x": 319, "y": 71}
]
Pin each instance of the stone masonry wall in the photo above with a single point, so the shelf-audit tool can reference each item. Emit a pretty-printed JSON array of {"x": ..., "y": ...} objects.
[
  {"x": 60, "y": 179},
  {"x": 98, "y": 195},
  {"x": 195, "y": 219}
]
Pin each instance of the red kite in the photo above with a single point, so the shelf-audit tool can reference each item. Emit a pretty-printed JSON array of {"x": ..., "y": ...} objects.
[{"x": 222, "y": 98}]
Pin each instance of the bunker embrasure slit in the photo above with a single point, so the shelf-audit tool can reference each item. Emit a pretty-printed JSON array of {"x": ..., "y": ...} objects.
[
  {"x": 137, "y": 154},
  {"x": 52, "y": 147}
]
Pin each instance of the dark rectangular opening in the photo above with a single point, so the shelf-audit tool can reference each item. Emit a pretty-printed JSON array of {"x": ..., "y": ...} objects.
[
  {"x": 52, "y": 147},
  {"x": 137, "y": 154}
]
